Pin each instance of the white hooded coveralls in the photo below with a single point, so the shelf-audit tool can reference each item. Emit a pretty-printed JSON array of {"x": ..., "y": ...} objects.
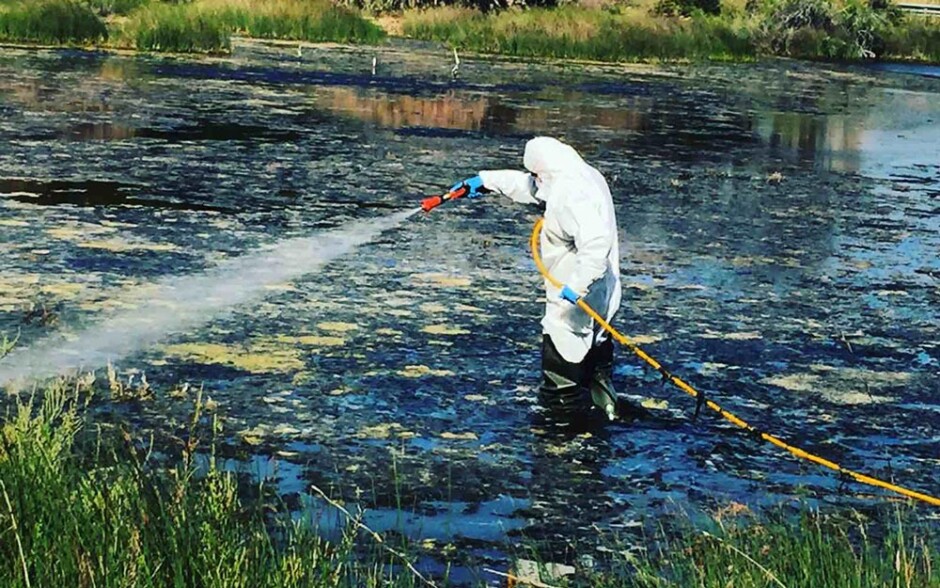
[{"x": 579, "y": 241}]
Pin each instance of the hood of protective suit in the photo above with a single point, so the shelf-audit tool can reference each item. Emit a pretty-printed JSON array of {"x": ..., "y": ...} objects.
[{"x": 550, "y": 159}]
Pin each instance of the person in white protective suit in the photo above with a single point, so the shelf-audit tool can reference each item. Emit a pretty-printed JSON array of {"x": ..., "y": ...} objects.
[{"x": 580, "y": 247}]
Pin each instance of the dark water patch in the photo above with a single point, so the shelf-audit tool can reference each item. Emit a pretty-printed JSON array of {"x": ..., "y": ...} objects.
[
  {"x": 80, "y": 57},
  {"x": 917, "y": 69},
  {"x": 91, "y": 193},
  {"x": 616, "y": 88},
  {"x": 98, "y": 131},
  {"x": 196, "y": 130},
  {"x": 444, "y": 133},
  {"x": 208, "y": 130},
  {"x": 137, "y": 262},
  {"x": 216, "y": 376},
  {"x": 306, "y": 77}
]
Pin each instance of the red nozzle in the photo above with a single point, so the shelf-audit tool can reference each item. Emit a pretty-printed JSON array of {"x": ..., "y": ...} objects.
[{"x": 430, "y": 203}]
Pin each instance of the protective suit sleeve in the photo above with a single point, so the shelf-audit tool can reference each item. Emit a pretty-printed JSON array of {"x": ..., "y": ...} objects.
[
  {"x": 590, "y": 226},
  {"x": 516, "y": 185}
]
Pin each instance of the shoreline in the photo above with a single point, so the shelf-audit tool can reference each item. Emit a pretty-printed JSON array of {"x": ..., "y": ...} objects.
[{"x": 637, "y": 66}]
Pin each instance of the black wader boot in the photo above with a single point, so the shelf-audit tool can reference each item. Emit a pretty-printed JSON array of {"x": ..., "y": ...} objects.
[
  {"x": 562, "y": 382},
  {"x": 600, "y": 362}
]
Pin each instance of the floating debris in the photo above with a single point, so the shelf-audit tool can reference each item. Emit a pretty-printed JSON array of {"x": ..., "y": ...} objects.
[
  {"x": 418, "y": 371},
  {"x": 445, "y": 329},
  {"x": 465, "y": 436}
]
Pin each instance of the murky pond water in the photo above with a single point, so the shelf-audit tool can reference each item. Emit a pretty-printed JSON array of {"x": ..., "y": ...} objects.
[{"x": 780, "y": 236}]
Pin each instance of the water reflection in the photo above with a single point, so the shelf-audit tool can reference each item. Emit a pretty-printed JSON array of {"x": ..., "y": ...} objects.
[
  {"x": 475, "y": 112},
  {"x": 449, "y": 111},
  {"x": 641, "y": 123},
  {"x": 833, "y": 142},
  {"x": 99, "y": 131},
  {"x": 664, "y": 124}
]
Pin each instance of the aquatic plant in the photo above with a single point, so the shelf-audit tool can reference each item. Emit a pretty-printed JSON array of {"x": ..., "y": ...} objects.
[
  {"x": 50, "y": 22},
  {"x": 6, "y": 345}
]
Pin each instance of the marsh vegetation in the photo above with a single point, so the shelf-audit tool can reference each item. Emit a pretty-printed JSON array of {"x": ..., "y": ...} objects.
[
  {"x": 627, "y": 31},
  {"x": 85, "y": 505}
]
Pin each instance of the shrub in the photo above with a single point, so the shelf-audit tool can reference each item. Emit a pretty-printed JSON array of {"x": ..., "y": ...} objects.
[
  {"x": 816, "y": 28},
  {"x": 916, "y": 37},
  {"x": 864, "y": 29},
  {"x": 796, "y": 27}
]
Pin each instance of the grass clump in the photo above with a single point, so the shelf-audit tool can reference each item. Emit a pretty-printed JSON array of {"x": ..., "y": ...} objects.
[
  {"x": 815, "y": 29},
  {"x": 572, "y": 32},
  {"x": 182, "y": 28},
  {"x": 95, "y": 513},
  {"x": 313, "y": 20},
  {"x": 60, "y": 22},
  {"x": 207, "y": 25},
  {"x": 805, "y": 550}
]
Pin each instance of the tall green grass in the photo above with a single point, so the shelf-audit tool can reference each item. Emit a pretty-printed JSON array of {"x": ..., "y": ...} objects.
[
  {"x": 573, "y": 32},
  {"x": 206, "y": 25},
  {"x": 800, "y": 28},
  {"x": 821, "y": 29},
  {"x": 181, "y": 28},
  {"x": 808, "y": 550},
  {"x": 79, "y": 508},
  {"x": 50, "y": 22},
  {"x": 107, "y": 515},
  {"x": 308, "y": 20}
]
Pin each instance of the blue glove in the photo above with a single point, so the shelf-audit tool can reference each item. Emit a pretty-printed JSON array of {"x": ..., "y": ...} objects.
[
  {"x": 474, "y": 186},
  {"x": 569, "y": 295}
]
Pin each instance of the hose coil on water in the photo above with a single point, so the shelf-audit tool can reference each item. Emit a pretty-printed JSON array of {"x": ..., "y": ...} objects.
[{"x": 703, "y": 401}]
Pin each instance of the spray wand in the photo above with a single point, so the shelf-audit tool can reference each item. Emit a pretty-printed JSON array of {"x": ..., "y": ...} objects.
[{"x": 429, "y": 204}]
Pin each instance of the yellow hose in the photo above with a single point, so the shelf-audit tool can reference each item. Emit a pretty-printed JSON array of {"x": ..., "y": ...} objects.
[{"x": 626, "y": 342}]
